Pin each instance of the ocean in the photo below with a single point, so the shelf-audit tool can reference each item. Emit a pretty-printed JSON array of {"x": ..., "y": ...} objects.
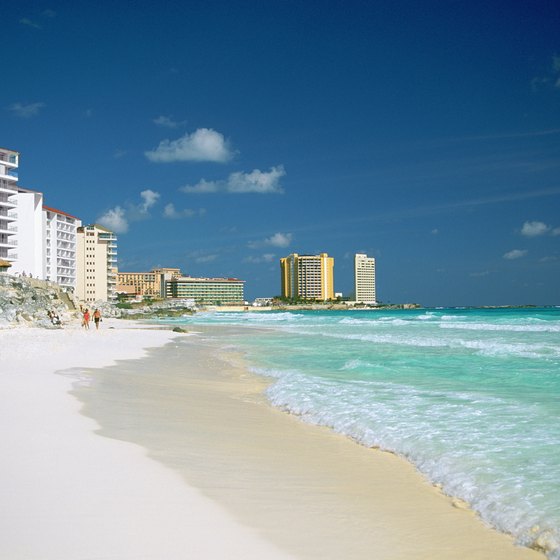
[{"x": 471, "y": 397}]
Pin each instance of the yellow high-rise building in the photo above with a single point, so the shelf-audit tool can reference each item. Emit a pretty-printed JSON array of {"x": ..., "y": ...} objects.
[{"x": 309, "y": 277}]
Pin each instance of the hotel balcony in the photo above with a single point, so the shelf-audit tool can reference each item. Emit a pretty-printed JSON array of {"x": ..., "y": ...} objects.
[
  {"x": 7, "y": 187},
  {"x": 4, "y": 243},
  {"x": 9, "y": 158},
  {"x": 8, "y": 201},
  {"x": 8, "y": 175}
]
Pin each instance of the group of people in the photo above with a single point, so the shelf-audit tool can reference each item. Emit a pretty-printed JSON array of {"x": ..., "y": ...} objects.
[
  {"x": 53, "y": 316},
  {"x": 86, "y": 318}
]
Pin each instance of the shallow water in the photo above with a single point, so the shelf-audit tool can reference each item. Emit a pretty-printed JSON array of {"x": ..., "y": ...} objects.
[{"x": 471, "y": 397}]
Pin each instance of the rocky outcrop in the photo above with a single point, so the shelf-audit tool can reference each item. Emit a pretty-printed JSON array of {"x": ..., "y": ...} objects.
[{"x": 28, "y": 301}]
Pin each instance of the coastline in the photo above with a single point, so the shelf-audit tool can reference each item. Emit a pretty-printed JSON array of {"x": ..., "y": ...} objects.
[
  {"x": 68, "y": 494},
  {"x": 308, "y": 490}
]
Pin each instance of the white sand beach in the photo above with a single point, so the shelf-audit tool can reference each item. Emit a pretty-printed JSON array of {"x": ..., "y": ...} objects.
[
  {"x": 199, "y": 466},
  {"x": 69, "y": 494}
]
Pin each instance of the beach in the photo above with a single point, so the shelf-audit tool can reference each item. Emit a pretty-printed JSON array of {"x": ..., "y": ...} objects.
[
  {"x": 69, "y": 494},
  {"x": 174, "y": 452}
]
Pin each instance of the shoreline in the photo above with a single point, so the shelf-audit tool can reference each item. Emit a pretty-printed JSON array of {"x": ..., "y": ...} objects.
[
  {"x": 69, "y": 494},
  {"x": 271, "y": 470}
]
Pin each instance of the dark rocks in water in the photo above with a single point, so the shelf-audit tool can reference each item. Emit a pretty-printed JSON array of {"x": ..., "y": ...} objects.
[{"x": 180, "y": 329}]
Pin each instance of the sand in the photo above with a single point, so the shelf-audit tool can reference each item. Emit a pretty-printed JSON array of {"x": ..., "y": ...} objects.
[
  {"x": 177, "y": 455},
  {"x": 68, "y": 494}
]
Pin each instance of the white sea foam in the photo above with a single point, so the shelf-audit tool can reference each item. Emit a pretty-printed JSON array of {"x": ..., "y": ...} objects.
[{"x": 471, "y": 398}]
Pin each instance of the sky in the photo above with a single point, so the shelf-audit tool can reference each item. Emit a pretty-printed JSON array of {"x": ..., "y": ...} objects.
[{"x": 219, "y": 136}]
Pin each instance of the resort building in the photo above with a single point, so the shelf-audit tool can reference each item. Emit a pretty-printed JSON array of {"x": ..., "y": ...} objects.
[
  {"x": 364, "y": 278},
  {"x": 210, "y": 291},
  {"x": 145, "y": 284},
  {"x": 61, "y": 239},
  {"x": 29, "y": 234},
  {"x": 308, "y": 277},
  {"x": 97, "y": 264},
  {"x": 46, "y": 240},
  {"x": 9, "y": 161}
]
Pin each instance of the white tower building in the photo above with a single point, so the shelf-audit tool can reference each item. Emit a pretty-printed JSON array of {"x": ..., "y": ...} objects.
[
  {"x": 61, "y": 237},
  {"x": 9, "y": 161},
  {"x": 364, "y": 278},
  {"x": 29, "y": 234}
]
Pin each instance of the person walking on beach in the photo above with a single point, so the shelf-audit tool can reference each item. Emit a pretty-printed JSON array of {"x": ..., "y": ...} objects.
[
  {"x": 85, "y": 322},
  {"x": 97, "y": 318}
]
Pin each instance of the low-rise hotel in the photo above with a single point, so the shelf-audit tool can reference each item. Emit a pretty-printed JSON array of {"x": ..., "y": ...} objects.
[
  {"x": 146, "y": 284},
  {"x": 208, "y": 291}
]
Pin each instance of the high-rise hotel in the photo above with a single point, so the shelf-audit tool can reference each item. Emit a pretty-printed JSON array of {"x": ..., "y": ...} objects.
[
  {"x": 364, "y": 278},
  {"x": 8, "y": 203},
  {"x": 97, "y": 264},
  {"x": 307, "y": 277}
]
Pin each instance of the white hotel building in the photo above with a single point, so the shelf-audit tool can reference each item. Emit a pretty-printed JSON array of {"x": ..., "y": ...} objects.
[
  {"x": 50, "y": 244},
  {"x": 364, "y": 275},
  {"x": 60, "y": 262},
  {"x": 9, "y": 161}
]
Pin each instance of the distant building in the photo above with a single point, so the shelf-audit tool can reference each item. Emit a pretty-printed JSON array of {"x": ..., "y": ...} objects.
[
  {"x": 9, "y": 162},
  {"x": 35, "y": 239},
  {"x": 364, "y": 278},
  {"x": 210, "y": 291},
  {"x": 145, "y": 284},
  {"x": 97, "y": 264},
  {"x": 29, "y": 234},
  {"x": 308, "y": 277},
  {"x": 61, "y": 239}
]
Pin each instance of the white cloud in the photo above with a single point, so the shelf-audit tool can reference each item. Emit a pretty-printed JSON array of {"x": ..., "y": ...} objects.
[
  {"x": 168, "y": 122},
  {"x": 115, "y": 220},
  {"x": 276, "y": 240},
  {"x": 30, "y": 23},
  {"x": 204, "y": 144},
  {"x": 26, "y": 111},
  {"x": 257, "y": 181},
  {"x": 279, "y": 240},
  {"x": 206, "y": 258},
  {"x": 435, "y": 231},
  {"x": 149, "y": 197},
  {"x": 534, "y": 229},
  {"x": 515, "y": 254},
  {"x": 202, "y": 187},
  {"x": 266, "y": 258},
  {"x": 171, "y": 213}
]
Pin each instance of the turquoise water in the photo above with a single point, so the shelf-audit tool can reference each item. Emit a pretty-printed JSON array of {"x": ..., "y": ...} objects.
[{"x": 471, "y": 397}]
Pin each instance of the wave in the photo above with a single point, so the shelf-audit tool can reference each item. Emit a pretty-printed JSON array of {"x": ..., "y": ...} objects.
[
  {"x": 493, "y": 348},
  {"x": 552, "y": 327},
  {"x": 444, "y": 433}
]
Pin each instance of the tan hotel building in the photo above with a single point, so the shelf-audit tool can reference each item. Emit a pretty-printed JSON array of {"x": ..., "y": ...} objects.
[
  {"x": 146, "y": 284},
  {"x": 96, "y": 258},
  {"x": 307, "y": 277}
]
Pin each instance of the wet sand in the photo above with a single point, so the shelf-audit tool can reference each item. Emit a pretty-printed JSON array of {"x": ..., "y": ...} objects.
[{"x": 308, "y": 491}]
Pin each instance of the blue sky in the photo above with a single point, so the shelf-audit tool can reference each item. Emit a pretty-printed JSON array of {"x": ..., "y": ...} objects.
[{"x": 221, "y": 136}]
